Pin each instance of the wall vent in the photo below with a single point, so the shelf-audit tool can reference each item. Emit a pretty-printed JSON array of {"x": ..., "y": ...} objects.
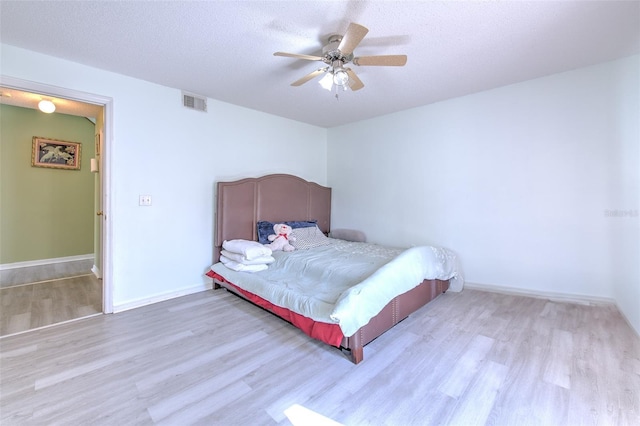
[{"x": 194, "y": 102}]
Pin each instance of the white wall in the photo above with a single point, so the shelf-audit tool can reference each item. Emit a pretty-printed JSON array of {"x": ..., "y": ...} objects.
[
  {"x": 176, "y": 155},
  {"x": 624, "y": 231},
  {"x": 517, "y": 180}
]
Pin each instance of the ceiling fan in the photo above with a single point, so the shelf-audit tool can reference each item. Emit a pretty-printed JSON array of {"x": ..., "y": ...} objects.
[{"x": 339, "y": 52}]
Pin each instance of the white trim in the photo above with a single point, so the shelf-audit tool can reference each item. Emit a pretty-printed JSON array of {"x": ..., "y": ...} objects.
[
  {"x": 47, "y": 89},
  {"x": 161, "y": 297},
  {"x": 107, "y": 154},
  {"x": 107, "y": 234},
  {"x": 555, "y": 297},
  {"x": 40, "y": 262},
  {"x": 96, "y": 271}
]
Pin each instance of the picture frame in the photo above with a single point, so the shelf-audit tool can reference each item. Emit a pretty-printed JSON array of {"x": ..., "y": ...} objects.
[{"x": 55, "y": 153}]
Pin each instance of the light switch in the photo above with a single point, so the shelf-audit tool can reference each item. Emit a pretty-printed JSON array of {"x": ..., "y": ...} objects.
[{"x": 145, "y": 200}]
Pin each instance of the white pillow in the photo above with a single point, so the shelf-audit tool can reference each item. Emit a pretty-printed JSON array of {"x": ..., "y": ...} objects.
[{"x": 306, "y": 238}]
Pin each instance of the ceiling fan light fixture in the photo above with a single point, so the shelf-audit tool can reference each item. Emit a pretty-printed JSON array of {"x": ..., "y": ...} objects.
[
  {"x": 338, "y": 53},
  {"x": 46, "y": 106},
  {"x": 340, "y": 77},
  {"x": 327, "y": 81}
]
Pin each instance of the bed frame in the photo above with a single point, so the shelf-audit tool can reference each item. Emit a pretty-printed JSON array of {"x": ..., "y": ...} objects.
[{"x": 281, "y": 197}]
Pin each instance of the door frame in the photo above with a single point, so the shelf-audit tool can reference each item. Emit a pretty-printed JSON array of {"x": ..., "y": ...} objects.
[{"x": 105, "y": 170}]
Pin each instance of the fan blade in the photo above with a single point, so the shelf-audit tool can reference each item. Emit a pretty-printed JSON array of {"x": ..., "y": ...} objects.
[
  {"x": 309, "y": 77},
  {"x": 354, "y": 82},
  {"x": 384, "y": 60},
  {"x": 354, "y": 35},
  {"x": 298, "y": 56}
]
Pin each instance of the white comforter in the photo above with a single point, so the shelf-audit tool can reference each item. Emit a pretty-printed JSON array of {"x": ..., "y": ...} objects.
[{"x": 345, "y": 282}]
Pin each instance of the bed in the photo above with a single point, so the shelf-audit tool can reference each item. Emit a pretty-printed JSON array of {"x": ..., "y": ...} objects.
[{"x": 241, "y": 205}]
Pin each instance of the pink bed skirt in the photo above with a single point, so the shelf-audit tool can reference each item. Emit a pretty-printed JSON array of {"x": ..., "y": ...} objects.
[{"x": 325, "y": 332}]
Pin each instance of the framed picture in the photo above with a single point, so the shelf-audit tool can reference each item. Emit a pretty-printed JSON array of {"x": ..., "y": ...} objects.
[{"x": 55, "y": 154}]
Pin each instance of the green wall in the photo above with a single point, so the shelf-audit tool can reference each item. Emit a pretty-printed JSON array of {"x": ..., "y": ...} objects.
[{"x": 44, "y": 213}]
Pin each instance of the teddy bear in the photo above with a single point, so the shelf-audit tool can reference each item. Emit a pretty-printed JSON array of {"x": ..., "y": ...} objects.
[{"x": 280, "y": 240}]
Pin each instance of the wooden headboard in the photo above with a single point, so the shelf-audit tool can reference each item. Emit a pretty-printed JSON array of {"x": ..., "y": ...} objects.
[{"x": 275, "y": 198}]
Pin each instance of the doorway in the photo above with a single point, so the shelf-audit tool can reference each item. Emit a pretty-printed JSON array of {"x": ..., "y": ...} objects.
[{"x": 84, "y": 285}]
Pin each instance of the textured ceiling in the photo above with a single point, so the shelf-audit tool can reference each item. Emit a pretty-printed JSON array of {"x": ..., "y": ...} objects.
[{"x": 224, "y": 49}]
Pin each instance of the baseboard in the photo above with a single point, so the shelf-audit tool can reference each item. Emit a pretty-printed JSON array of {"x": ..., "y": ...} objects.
[
  {"x": 96, "y": 272},
  {"x": 161, "y": 297},
  {"x": 556, "y": 297},
  {"x": 41, "y": 262}
]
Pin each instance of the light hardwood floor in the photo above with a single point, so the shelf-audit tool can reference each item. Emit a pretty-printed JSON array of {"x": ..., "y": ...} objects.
[
  {"x": 29, "y": 306},
  {"x": 469, "y": 358}
]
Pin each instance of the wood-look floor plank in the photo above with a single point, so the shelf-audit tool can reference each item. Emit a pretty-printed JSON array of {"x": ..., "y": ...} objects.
[
  {"x": 466, "y": 367},
  {"x": 201, "y": 408},
  {"x": 210, "y": 358},
  {"x": 478, "y": 400},
  {"x": 558, "y": 366},
  {"x": 180, "y": 367},
  {"x": 30, "y": 306},
  {"x": 279, "y": 382}
]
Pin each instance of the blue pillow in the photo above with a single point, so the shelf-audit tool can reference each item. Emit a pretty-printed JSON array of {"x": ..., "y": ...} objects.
[{"x": 266, "y": 228}]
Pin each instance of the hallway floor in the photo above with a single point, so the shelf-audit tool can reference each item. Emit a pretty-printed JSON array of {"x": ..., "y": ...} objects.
[{"x": 26, "y": 302}]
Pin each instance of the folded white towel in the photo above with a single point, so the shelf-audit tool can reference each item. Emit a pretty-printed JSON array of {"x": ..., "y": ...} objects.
[
  {"x": 241, "y": 267},
  {"x": 241, "y": 259},
  {"x": 249, "y": 249}
]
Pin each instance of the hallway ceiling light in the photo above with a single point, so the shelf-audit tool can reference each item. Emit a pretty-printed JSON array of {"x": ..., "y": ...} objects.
[{"x": 46, "y": 106}]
